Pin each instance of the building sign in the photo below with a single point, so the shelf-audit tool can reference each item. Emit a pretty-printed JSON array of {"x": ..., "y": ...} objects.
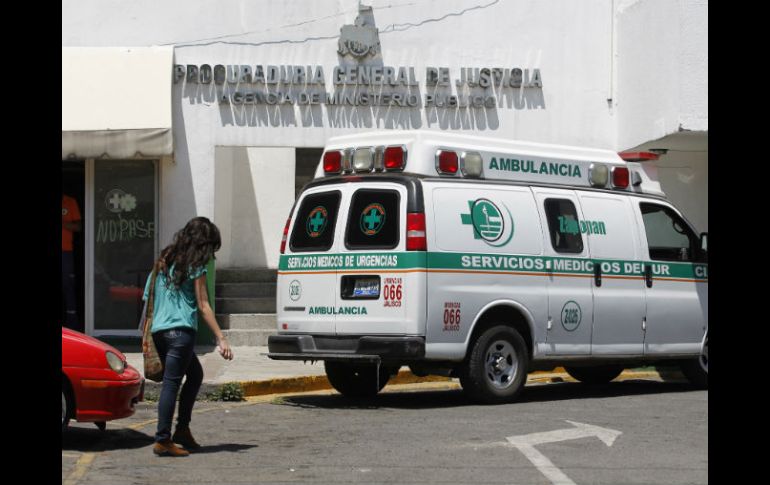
[
  {"x": 360, "y": 79},
  {"x": 356, "y": 85}
]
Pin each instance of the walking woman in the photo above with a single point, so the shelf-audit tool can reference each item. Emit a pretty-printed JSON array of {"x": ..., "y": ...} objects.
[{"x": 180, "y": 293}]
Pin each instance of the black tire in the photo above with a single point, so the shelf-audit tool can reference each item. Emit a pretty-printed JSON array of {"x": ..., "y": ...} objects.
[
  {"x": 697, "y": 370},
  {"x": 356, "y": 380},
  {"x": 66, "y": 407},
  {"x": 102, "y": 425},
  {"x": 496, "y": 368},
  {"x": 599, "y": 374}
]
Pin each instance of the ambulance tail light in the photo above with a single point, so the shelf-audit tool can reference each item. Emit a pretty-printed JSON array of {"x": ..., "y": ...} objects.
[
  {"x": 415, "y": 232},
  {"x": 447, "y": 162},
  {"x": 620, "y": 177},
  {"x": 332, "y": 162},
  {"x": 394, "y": 158},
  {"x": 285, "y": 235}
]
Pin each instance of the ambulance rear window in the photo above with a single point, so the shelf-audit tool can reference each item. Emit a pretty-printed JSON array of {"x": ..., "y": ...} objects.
[
  {"x": 315, "y": 221},
  {"x": 373, "y": 222},
  {"x": 564, "y": 226}
]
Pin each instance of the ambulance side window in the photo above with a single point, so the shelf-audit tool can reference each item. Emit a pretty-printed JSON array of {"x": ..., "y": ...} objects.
[
  {"x": 315, "y": 221},
  {"x": 669, "y": 238},
  {"x": 373, "y": 221},
  {"x": 564, "y": 226}
]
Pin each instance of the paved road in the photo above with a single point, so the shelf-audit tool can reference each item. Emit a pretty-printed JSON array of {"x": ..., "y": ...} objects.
[{"x": 431, "y": 435}]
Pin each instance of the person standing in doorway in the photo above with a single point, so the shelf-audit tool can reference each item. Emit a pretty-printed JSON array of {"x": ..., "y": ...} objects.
[
  {"x": 180, "y": 294},
  {"x": 70, "y": 223}
]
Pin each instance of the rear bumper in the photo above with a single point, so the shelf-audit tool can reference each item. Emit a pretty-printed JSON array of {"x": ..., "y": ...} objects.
[{"x": 353, "y": 349}]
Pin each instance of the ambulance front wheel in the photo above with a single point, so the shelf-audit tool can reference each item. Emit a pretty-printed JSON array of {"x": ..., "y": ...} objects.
[
  {"x": 496, "y": 369},
  {"x": 356, "y": 380},
  {"x": 697, "y": 370}
]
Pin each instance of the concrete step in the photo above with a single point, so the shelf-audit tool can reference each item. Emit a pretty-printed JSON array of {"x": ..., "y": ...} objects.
[
  {"x": 246, "y": 275},
  {"x": 248, "y": 338},
  {"x": 247, "y": 321},
  {"x": 245, "y": 305},
  {"x": 245, "y": 290}
]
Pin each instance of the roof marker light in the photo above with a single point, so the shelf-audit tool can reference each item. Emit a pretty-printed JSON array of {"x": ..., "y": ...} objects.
[
  {"x": 446, "y": 162},
  {"x": 598, "y": 175},
  {"x": 472, "y": 164},
  {"x": 332, "y": 161},
  {"x": 394, "y": 158},
  {"x": 363, "y": 159},
  {"x": 620, "y": 177}
]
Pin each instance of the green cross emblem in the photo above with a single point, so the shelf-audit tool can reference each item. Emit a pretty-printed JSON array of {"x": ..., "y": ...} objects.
[
  {"x": 316, "y": 221},
  {"x": 372, "y": 219},
  {"x": 487, "y": 221}
]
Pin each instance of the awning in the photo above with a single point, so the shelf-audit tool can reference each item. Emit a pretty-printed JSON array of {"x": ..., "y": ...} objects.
[{"x": 116, "y": 102}]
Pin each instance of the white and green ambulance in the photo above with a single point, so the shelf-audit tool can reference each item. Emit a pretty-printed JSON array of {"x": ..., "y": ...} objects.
[{"x": 486, "y": 259}]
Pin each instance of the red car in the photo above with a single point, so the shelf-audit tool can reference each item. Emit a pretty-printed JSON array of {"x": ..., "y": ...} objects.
[{"x": 97, "y": 385}]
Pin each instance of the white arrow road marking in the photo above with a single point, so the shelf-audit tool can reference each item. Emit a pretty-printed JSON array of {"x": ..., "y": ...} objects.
[{"x": 526, "y": 444}]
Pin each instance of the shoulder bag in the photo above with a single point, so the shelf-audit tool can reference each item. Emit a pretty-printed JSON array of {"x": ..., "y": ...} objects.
[{"x": 153, "y": 366}]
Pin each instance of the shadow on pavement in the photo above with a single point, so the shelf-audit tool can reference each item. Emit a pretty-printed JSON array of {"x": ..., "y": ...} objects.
[
  {"x": 431, "y": 399},
  {"x": 86, "y": 439},
  {"x": 232, "y": 448},
  {"x": 92, "y": 440}
]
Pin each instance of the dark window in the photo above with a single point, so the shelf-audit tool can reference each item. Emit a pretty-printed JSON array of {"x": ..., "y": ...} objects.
[
  {"x": 669, "y": 238},
  {"x": 564, "y": 226},
  {"x": 373, "y": 222},
  {"x": 315, "y": 221}
]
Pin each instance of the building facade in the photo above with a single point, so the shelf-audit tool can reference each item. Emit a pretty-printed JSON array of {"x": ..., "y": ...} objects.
[{"x": 221, "y": 108}]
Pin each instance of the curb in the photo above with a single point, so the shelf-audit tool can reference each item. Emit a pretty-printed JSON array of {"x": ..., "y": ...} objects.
[{"x": 285, "y": 385}]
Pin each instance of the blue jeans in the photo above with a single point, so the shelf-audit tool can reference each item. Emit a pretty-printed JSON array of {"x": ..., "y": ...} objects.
[{"x": 176, "y": 350}]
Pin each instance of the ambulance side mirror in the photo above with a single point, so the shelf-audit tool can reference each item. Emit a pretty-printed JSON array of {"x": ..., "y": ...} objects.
[{"x": 704, "y": 238}]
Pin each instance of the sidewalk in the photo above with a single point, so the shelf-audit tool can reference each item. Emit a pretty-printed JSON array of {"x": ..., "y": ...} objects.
[{"x": 259, "y": 375}]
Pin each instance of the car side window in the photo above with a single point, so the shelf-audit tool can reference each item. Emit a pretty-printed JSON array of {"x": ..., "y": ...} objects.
[
  {"x": 564, "y": 226},
  {"x": 669, "y": 238}
]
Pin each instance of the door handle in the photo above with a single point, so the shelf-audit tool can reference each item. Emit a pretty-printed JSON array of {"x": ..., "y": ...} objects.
[
  {"x": 648, "y": 275},
  {"x": 598, "y": 274}
]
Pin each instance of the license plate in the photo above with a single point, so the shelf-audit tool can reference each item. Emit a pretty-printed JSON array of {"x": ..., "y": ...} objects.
[{"x": 366, "y": 288}]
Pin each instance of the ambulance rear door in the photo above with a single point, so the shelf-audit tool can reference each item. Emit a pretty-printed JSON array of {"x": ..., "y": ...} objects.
[
  {"x": 308, "y": 271},
  {"x": 380, "y": 284}
]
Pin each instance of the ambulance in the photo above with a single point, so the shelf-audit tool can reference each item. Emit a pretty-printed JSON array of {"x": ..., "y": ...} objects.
[{"x": 486, "y": 259}]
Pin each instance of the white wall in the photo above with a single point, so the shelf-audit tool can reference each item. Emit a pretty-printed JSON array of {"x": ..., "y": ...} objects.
[
  {"x": 662, "y": 69},
  {"x": 254, "y": 194}
]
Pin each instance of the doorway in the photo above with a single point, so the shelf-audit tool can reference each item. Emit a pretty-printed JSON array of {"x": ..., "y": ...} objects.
[
  {"x": 121, "y": 233},
  {"x": 73, "y": 178}
]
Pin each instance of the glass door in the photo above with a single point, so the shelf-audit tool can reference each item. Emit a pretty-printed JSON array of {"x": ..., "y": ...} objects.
[{"x": 122, "y": 240}]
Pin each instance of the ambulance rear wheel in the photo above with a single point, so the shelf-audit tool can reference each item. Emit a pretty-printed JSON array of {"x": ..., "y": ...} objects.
[
  {"x": 599, "y": 374},
  {"x": 356, "y": 380},
  {"x": 496, "y": 369}
]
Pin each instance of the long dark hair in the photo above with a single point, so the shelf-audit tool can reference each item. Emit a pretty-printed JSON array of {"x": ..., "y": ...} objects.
[{"x": 192, "y": 248}]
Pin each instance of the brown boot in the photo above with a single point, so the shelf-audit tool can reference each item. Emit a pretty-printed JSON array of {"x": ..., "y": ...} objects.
[
  {"x": 168, "y": 448},
  {"x": 184, "y": 437}
]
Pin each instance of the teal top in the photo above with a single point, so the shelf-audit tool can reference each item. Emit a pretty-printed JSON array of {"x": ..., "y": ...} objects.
[{"x": 174, "y": 308}]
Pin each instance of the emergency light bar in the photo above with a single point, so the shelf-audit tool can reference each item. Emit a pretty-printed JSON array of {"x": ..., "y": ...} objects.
[{"x": 365, "y": 159}]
